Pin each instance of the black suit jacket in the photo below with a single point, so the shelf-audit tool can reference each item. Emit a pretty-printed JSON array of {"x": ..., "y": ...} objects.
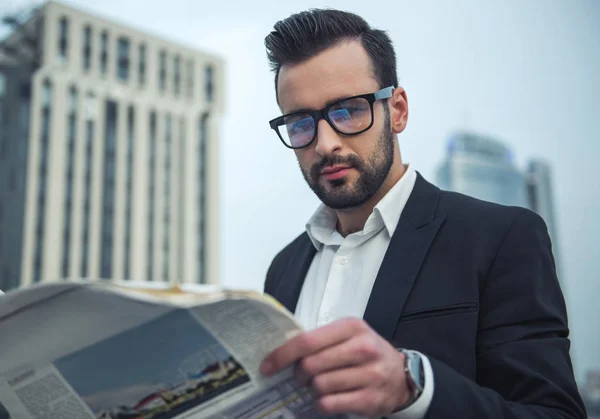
[{"x": 473, "y": 286}]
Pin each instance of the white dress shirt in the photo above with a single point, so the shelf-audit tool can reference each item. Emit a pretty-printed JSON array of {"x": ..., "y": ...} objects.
[{"x": 340, "y": 279}]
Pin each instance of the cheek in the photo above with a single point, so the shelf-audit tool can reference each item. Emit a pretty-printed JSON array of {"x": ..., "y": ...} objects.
[
  {"x": 306, "y": 159},
  {"x": 365, "y": 148}
]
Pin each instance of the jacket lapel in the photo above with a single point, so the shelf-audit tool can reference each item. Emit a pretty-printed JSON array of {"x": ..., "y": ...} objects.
[
  {"x": 290, "y": 284},
  {"x": 417, "y": 227}
]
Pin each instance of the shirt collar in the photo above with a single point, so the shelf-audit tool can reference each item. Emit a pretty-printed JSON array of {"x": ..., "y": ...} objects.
[{"x": 321, "y": 227}]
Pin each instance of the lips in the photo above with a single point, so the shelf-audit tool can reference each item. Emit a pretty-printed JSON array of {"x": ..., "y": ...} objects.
[{"x": 335, "y": 172}]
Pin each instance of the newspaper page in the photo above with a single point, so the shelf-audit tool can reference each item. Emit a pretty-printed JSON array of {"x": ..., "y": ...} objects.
[{"x": 96, "y": 350}]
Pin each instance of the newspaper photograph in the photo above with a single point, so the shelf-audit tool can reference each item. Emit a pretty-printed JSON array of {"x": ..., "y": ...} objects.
[{"x": 158, "y": 370}]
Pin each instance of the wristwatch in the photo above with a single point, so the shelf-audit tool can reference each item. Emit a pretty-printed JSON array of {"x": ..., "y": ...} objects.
[{"x": 415, "y": 375}]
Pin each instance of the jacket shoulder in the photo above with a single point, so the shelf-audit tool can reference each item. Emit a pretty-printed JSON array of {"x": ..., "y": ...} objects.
[
  {"x": 482, "y": 226},
  {"x": 473, "y": 211}
]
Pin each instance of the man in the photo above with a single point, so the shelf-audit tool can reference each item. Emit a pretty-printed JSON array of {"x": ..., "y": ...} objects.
[{"x": 417, "y": 302}]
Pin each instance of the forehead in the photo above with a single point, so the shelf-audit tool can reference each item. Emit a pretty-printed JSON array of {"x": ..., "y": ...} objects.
[{"x": 340, "y": 71}]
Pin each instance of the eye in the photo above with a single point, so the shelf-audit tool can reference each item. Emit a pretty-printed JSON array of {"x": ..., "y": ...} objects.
[
  {"x": 340, "y": 115},
  {"x": 302, "y": 125}
]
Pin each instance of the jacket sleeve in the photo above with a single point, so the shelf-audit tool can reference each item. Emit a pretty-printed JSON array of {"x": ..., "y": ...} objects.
[
  {"x": 269, "y": 284},
  {"x": 523, "y": 364}
]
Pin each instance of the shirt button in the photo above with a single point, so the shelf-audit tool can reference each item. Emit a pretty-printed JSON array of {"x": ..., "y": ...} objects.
[
  {"x": 325, "y": 318},
  {"x": 343, "y": 260}
]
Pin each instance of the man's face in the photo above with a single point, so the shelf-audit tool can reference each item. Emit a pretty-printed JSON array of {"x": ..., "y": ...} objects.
[{"x": 343, "y": 171}]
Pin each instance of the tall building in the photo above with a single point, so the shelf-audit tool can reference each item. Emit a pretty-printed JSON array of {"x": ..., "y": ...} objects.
[
  {"x": 539, "y": 192},
  {"x": 108, "y": 152},
  {"x": 483, "y": 167}
]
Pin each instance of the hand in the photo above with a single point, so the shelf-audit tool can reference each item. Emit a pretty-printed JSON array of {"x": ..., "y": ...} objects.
[{"x": 350, "y": 368}]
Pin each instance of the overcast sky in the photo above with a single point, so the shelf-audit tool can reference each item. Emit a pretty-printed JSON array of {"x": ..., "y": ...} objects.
[{"x": 526, "y": 72}]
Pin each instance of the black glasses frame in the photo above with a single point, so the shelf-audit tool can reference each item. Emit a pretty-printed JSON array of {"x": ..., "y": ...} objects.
[{"x": 317, "y": 115}]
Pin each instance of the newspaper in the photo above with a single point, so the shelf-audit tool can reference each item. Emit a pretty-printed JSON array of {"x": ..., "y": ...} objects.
[{"x": 83, "y": 350}]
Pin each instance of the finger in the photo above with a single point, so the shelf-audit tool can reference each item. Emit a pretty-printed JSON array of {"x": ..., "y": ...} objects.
[
  {"x": 374, "y": 375},
  {"x": 340, "y": 381},
  {"x": 355, "y": 351},
  {"x": 308, "y": 343},
  {"x": 363, "y": 402}
]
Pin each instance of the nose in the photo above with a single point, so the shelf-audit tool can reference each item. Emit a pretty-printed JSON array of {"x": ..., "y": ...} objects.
[{"x": 328, "y": 141}]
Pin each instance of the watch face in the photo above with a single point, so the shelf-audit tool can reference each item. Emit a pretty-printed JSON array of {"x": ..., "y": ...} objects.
[{"x": 415, "y": 366}]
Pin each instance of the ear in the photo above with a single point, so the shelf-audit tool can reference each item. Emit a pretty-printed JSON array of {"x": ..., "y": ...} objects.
[{"x": 398, "y": 104}]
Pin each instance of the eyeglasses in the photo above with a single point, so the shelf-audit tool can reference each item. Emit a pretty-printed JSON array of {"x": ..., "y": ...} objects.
[{"x": 350, "y": 116}]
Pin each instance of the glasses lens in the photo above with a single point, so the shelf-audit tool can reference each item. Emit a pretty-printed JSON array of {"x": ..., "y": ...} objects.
[
  {"x": 297, "y": 130},
  {"x": 352, "y": 115}
]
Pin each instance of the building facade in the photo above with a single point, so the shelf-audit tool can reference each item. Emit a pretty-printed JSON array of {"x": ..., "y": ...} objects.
[
  {"x": 483, "y": 167},
  {"x": 119, "y": 171}
]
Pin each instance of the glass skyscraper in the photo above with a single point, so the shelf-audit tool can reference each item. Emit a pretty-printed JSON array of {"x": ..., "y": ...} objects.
[{"x": 484, "y": 168}]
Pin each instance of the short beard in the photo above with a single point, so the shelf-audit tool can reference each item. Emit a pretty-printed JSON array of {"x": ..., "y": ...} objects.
[{"x": 372, "y": 174}]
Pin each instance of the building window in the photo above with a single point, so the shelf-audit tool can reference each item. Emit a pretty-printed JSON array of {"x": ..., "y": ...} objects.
[
  {"x": 46, "y": 94},
  {"x": 87, "y": 47},
  {"x": 103, "y": 52},
  {"x": 177, "y": 75},
  {"x": 142, "y": 64},
  {"x": 63, "y": 39},
  {"x": 123, "y": 61},
  {"x": 201, "y": 252},
  {"x": 89, "y": 142},
  {"x": 71, "y": 141},
  {"x": 42, "y": 180},
  {"x": 72, "y": 101},
  {"x": 209, "y": 83},
  {"x": 190, "y": 78},
  {"x": 162, "y": 70},
  {"x": 23, "y": 121},
  {"x": 151, "y": 197},
  {"x": 108, "y": 206},
  {"x": 167, "y": 198},
  {"x": 129, "y": 189},
  {"x": 24, "y": 111}
]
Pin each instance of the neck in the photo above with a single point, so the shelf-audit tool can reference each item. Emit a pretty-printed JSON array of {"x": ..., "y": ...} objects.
[{"x": 352, "y": 220}]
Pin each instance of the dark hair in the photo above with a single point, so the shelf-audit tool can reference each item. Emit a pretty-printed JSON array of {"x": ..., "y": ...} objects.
[{"x": 306, "y": 34}]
